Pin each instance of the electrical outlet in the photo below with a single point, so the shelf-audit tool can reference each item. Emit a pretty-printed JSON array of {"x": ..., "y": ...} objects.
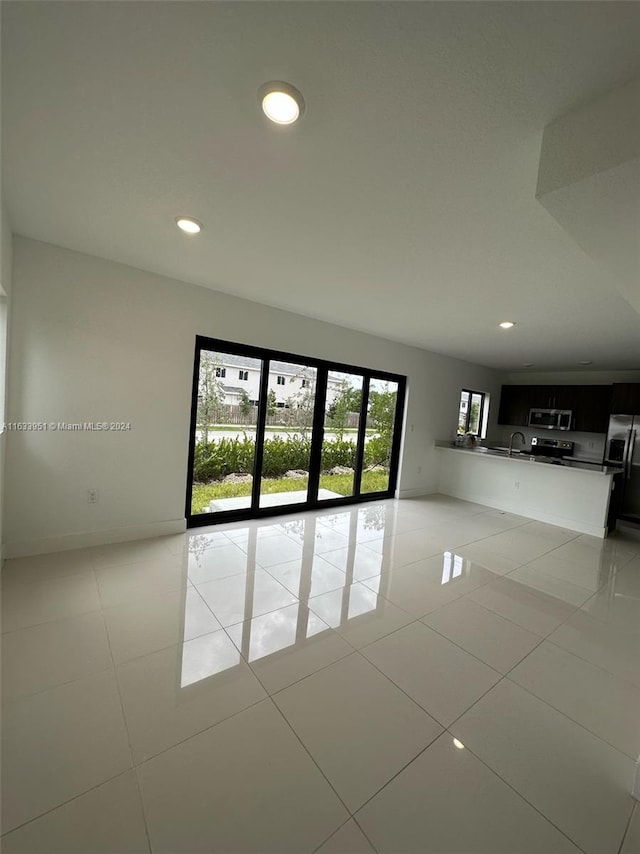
[
  {"x": 517, "y": 484},
  {"x": 419, "y": 469},
  {"x": 92, "y": 496}
]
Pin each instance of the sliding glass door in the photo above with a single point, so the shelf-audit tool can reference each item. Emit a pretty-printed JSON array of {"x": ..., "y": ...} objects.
[
  {"x": 286, "y": 456},
  {"x": 271, "y": 431},
  {"x": 341, "y": 437}
]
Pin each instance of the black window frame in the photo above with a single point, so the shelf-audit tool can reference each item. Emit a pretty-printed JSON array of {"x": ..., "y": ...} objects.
[
  {"x": 482, "y": 395},
  {"x": 267, "y": 357},
  {"x": 280, "y": 380},
  {"x": 243, "y": 376}
]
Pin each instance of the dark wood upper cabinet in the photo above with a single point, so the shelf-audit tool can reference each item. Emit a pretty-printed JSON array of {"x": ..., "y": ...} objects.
[
  {"x": 515, "y": 403},
  {"x": 591, "y": 410},
  {"x": 625, "y": 399},
  {"x": 588, "y": 403}
]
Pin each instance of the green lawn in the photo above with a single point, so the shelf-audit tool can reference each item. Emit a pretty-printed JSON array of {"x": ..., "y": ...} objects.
[{"x": 203, "y": 493}]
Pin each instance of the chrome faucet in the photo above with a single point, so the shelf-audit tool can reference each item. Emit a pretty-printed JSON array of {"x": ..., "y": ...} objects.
[{"x": 512, "y": 437}]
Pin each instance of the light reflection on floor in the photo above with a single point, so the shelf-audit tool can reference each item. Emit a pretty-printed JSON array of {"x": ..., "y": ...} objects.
[{"x": 324, "y": 582}]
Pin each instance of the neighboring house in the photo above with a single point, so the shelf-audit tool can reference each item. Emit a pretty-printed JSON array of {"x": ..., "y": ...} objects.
[{"x": 241, "y": 373}]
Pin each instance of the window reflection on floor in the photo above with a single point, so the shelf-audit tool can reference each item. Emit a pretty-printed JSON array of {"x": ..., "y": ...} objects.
[
  {"x": 204, "y": 657},
  {"x": 257, "y": 581},
  {"x": 274, "y": 587},
  {"x": 451, "y": 567}
]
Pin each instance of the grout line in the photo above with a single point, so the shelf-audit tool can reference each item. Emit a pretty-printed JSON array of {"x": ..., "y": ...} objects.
[
  {"x": 333, "y": 833},
  {"x": 459, "y": 518},
  {"x": 521, "y": 796},
  {"x": 126, "y": 726},
  {"x": 468, "y": 652},
  {"x": 305, "y": 748},
  {"x": 592, "y": 663},
  {"x": 568, "y": 717},
  {"x": 68, "y": 801},
  {"x": 272, "y": 694},
  {"x": 200, "y": 732},
  {"x": 627, "y": 828},
  {"x": 363, "y": 832}
]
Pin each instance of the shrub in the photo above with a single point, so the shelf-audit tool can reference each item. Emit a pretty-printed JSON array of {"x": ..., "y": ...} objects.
[
  {"x": 338, "y": 453},
  {"x": 280, "y": 455},
  {"x": 377, "y": 451},
  {"x": 215, "y": 460}
]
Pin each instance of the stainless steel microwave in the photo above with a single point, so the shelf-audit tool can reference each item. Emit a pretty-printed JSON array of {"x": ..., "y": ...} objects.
[{"x": 551, "y": 419}]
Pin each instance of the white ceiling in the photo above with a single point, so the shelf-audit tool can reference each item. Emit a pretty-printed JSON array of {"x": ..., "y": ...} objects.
[{"x": 402, "y": 204}]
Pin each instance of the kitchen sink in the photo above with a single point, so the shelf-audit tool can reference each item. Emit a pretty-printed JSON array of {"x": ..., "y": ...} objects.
[{"x": 500, "y": 451}]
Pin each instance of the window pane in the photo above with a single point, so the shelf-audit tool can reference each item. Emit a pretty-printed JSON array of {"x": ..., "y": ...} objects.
[
  {"x": 287, "y": 438},
  {"x": 474, "y": 413},
  {"x": 225, "y": 433},
  {"x": 381, "y": 413},
  {"x": 464, "y": 410},
  {"x": 341, "y": 422}
]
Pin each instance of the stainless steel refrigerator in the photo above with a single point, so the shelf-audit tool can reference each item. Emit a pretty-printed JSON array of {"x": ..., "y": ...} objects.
[{"x": 623, "y": 449}]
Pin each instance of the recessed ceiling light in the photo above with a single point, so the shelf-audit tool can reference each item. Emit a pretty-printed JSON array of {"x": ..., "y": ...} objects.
[
  {"x": 586, "y": 362},
  {"x": 281, "y": 102},
  {"x": 188, "y": 224},
  {"x": 507, "y": 324},
  {"x": 458, "y": 744}
]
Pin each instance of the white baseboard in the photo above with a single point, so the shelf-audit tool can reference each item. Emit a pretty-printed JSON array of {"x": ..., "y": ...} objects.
[
  {"x": 94, "y": 538},
  {"x": 418, "y": 492}
]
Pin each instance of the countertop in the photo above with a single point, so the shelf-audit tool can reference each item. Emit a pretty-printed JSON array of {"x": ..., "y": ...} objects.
[{"x": 525, "y": 457}]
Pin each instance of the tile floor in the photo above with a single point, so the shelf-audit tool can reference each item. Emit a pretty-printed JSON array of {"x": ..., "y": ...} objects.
[{"x": 427, "y": 676}]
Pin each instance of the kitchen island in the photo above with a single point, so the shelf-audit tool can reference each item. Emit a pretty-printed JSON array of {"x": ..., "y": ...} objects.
[{"x": 572, "y": 495}]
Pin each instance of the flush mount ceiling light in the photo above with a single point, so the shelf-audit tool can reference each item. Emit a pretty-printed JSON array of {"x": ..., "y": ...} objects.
[
  {"x": 507, "y": 324},
  {"x": 281, "y": 102},
  {"x": 188, "y": 224},
  {"x": 586, "y": 362},
  {"x": 529, "y": 365}
]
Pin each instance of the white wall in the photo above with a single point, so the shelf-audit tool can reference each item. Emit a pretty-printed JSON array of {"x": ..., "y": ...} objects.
[
  {"x": 5, "y": 286},
  {"x": 97, "y": 341}
]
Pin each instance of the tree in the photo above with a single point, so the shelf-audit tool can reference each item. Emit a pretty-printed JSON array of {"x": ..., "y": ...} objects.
[
  {"x": 347, "y": 400},
  {"x": 301, "y": 404},
  {"x": 245, "y": 403},
  {"x": 272, "y": 403},
  {"x": 474, "y": 417},
  {"x": 382, "y": 411},
  {"x": 210, "y": 393}
]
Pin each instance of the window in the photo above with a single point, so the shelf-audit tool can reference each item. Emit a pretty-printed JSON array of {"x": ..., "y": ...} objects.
[
  {"x": 471, "y": 417},
  {"x": 221, "y": 372},
  {"x": 364, "y": 405}
]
